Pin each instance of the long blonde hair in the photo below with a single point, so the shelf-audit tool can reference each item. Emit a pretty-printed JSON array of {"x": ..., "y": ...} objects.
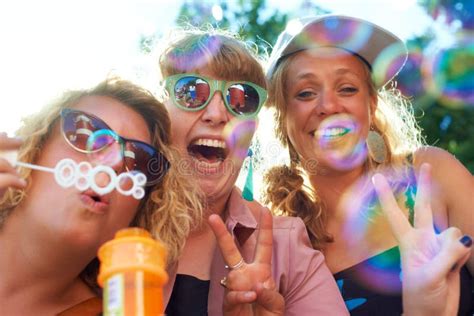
[
  {"x": 171, "y": 208},
  {"x": 285, "y": 189}
]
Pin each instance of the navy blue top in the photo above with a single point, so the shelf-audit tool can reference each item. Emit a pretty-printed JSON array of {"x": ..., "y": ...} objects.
[
  {"x": 373, "y": 287},
  {"x": 189, "y": 297}
]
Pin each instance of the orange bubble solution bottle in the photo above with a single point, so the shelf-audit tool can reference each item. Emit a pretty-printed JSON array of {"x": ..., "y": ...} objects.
[{"x": 132, "y": 274}]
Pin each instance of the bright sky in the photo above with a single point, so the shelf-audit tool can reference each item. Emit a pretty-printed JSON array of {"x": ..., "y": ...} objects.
[{"x": 52, "y": 45}]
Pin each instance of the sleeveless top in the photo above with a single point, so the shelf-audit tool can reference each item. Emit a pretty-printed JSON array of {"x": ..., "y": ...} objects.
[
  {"x": 373, "y": 286},
  {"x": 189, "y": 296}
]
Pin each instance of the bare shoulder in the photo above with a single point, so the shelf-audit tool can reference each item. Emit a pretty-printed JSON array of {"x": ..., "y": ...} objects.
[
  {"x": 452, "y": 186},
  {"x": 442, "y": 163}
]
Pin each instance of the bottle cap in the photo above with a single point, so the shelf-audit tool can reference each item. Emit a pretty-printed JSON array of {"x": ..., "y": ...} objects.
[{"x": 132, "y": 249}]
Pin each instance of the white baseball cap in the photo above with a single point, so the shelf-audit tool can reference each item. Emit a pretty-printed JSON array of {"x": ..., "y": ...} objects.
[{"x": 377, "y": 47}]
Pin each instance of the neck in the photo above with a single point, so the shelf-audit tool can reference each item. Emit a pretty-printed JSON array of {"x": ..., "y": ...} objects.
[
  {"x": 37, "y": 268},
  {"x": 331, "y": 186},
  {"x": 217, "y": 205}
]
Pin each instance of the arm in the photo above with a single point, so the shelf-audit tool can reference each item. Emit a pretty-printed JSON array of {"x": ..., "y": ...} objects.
[
  {"x": 430, "y": 262},
  {"x": 312, "y": 289},
  {"x": 453, "y": 191}
]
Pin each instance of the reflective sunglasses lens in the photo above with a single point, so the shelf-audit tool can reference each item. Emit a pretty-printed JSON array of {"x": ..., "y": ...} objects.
[
  {"x": 138, "y": 156},
  {"x": 78, "y": 127},
  {"x": 243, "y": 99},
  {"x": 101, "y": 139},
  {"x": 191, "y": 92},
  {"x": 104, "y": 147}
]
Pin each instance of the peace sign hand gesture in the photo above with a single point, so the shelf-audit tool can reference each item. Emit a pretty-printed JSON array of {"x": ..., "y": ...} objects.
[
  {"x": 430, "y": 262},
  {"x": 250, "y": 288}
]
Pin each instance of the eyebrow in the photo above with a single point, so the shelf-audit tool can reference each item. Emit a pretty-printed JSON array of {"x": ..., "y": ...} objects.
[
  {"x": 306, "y": 75},
  {"x": 344, "y": 71},
  {"x": 339, "y": 71}
]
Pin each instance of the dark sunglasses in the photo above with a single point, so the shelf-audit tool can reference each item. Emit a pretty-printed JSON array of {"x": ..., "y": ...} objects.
[
  {"x": 78, "y": 127},
  {"x": 192, "y": 92}
]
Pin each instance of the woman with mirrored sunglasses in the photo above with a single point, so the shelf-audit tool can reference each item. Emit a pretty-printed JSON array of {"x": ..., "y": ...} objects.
[
  {"x": 241, "y": 261},
  {"x": 49, "y": 234}
]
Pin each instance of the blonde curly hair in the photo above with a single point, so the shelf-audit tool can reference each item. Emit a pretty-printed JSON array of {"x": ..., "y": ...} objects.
[
  {"x": 285, "y": 189},
  {"x": 221, "y": 52},
  {"x": 170, "y": 209}
]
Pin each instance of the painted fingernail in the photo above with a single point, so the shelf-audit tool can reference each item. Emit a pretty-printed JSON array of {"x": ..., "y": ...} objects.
[
  {"x": 267, "y": 284},
  {"x": 466, "y": 241}
]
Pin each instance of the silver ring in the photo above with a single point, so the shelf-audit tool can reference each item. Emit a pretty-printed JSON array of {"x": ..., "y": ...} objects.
[
  {"x": 238, "y": 265},
  {"x": 223, "y": 282}
]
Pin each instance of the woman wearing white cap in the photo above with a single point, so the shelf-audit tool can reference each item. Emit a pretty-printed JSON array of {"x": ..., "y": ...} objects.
[{"x": 343, "y": 125}]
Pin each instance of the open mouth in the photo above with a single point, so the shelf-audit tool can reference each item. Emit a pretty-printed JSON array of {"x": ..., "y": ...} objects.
[
  {"x": 206, "y": 150},
  {"x": 94, "y": 201},
  {"x": 96, "y": 198},
  {"x": 332, "y": 132}
]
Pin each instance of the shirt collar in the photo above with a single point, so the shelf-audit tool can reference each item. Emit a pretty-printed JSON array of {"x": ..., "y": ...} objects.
[{"x": 238, "y": 212}]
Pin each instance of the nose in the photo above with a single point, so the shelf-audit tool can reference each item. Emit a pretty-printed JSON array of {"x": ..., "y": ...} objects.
[
  {"x": 215, "y": 112},
  {"x": 112, "y": 156},
  {"x": 328, "y": 104}
]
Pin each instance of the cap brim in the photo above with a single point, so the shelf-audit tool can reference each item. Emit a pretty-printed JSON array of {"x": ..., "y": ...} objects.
[{"x": 365, "y": 39}]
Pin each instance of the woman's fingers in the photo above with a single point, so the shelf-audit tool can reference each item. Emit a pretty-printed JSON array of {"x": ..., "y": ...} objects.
[
  {"x": 238, "y": 297},
  {"x": 9, "y": 143},
  {"x": 9, "y": 176},
  {"x": 269, "y": 299},
  {"x": 454, "y": 249},
  {"x": 423, "y": 213},
  {"x": 225, "y": 241},
  {"x": 265, "y": 239},
  {"x": 397, "y": 220},
  {"x": 11, "y": 180}
]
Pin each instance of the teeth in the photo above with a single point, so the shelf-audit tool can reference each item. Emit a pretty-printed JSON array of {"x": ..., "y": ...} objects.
[
  {"x": 331, "y": 132},
  {"x": 209, "y": 143}
]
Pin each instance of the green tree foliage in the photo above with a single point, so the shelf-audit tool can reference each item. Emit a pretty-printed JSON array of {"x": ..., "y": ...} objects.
[
  {"x": 253, "y": 20},
  {"x": 444, "y": 125}
]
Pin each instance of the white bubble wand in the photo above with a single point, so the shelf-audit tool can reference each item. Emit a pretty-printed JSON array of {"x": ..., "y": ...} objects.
[{"x": 68, "y": 173}]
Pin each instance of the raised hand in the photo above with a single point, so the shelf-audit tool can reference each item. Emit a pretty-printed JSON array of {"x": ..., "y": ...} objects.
[
  {"x": 430, "y": 261},
  {"x": 250, "y": 288},
  {"x": 8, "y": 175}
]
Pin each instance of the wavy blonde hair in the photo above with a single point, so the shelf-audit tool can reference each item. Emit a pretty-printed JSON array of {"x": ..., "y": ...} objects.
[
  {"x": 287, "y": 191},
  {"x": 169, "y": 210},
  {"x": 221, "y": 52}
]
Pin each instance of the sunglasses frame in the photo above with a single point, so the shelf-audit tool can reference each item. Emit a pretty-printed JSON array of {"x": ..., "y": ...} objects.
[
  {"x": 119, "y": 139},
  {"x": 215, "y": 85}
]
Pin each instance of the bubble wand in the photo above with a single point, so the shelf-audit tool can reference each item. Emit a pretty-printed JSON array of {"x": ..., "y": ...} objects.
[{"x": 68, "y": 173}]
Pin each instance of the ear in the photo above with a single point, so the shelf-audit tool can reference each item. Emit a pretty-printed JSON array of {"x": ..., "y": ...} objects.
[{"x": 373, "y": 104}]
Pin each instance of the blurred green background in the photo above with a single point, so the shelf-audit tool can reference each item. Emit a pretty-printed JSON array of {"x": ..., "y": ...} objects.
[{"x": 440, "y": 82}]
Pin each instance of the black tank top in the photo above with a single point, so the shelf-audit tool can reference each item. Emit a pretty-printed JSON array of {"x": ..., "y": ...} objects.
[
  {"x": 189, "y": 297},
  {"x": 373, "y": 287}
]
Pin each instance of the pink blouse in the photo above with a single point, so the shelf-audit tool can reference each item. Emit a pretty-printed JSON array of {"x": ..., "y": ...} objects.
[{"x": 299, "y": 271}]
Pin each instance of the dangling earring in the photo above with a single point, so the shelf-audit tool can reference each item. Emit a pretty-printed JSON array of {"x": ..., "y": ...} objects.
[
  {"x": 247, "y": 193},
  {"x": 376, "y": 146}
]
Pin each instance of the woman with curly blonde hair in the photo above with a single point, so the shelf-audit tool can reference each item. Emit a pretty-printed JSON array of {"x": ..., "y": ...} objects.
[
  {"x": 242, "y": 261},
  {"x": 342, "y": 124},
  {"x": 50, "y": 235}
]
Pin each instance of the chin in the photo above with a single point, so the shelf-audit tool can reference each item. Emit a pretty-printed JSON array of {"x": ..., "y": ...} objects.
[{"x": 215, "y": 189}]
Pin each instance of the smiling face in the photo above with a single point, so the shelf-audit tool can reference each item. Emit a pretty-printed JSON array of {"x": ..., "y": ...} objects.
[
  {"x": 207, "y": 155},
  {"x": 83, "y": 218},
  {"x": 328, "y": 104}
]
